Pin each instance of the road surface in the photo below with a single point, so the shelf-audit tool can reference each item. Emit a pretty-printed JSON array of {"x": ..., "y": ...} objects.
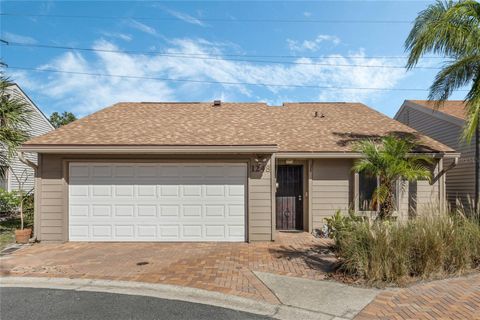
[{"x": 52, "y": 304}]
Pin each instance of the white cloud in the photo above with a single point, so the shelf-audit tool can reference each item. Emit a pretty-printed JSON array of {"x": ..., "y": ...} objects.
[
  {"x": 84, "y": 94},
  {"x": 312, "y": 45},
  {"x": 142, "y": 27},
  {"x": 185, "y": 17},
  {"x": 12, "y": 37},
  {"x": 117, "y": 35}
]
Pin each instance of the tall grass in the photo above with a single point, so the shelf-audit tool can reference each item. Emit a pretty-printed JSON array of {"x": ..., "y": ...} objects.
[{"x": 429, "y": 246}]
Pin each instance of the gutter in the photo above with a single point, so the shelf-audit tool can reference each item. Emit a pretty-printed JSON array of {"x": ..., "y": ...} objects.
[
  {"x": 158, "y": 149},
  {"x": 353, "y": 155}
]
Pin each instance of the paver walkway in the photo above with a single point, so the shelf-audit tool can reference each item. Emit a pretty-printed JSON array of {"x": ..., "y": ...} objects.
[
  {"x": 222, "y": 267},
  {"x": 457, "y": 298}
]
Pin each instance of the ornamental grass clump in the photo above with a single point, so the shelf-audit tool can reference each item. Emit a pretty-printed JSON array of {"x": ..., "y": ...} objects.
[{"x": 427, "y": 247}]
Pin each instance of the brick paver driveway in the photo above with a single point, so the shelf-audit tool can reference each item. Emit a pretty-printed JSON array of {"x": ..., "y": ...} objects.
[
  {"x": 445, "y": 299},
  {"x": 223, "y": 267}
]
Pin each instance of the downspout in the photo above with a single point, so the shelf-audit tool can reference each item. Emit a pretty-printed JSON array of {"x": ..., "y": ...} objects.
[
  {"x": 34, "y": 166},
  {"x": 445, "y": 170},
  {"x": 440, "y": 177},
  {"x": 21, "y": 157}
]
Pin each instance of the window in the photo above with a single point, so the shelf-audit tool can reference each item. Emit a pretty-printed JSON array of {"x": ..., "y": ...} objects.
[
  {"x": 366, "y": 190},
  {"x": 4, "y": 182},
  {"x": 366, "y": 187}
]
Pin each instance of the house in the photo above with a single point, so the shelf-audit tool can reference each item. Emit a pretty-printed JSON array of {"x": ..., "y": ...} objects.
[
  {"x": 39, "y": 124},
  {"x": 210, "y": 171},
  {"x": 446, "y": 125}
]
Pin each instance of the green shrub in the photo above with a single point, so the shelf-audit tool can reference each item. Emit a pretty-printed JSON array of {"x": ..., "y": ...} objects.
[
  {"x": 28, "y": 210},
  {"x": 339, "y": 224},
  {"x": 9, "y": 201},
  {"x": 396, "y": 252}
]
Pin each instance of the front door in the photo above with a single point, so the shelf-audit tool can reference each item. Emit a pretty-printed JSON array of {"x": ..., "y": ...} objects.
[{"x": 289, "y": 197}]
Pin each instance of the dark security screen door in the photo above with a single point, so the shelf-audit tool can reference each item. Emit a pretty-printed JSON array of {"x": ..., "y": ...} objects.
[{"x": 289, "y": 197}]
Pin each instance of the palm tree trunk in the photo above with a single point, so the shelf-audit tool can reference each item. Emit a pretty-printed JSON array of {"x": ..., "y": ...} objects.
[{"x": 387, "y": 205}]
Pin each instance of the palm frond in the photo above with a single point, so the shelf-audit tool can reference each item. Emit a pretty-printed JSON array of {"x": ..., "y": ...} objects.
[
  {"x": 445, "y": 28},
  {"x": 454, "y": 76},
  {"x": 473, "y": 110}
]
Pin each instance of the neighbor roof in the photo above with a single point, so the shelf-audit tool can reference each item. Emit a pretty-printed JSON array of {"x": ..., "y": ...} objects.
[
  {"x": 293, "y": 127},
  {"x": 454, "y": 108}
]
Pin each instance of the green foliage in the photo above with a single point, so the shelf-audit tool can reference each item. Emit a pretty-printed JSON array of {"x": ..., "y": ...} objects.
[
  {"x": 339, "y": 224},
  {"x": 451, "y": 29},
  {"x": 59, "y": 120},
  {"x": 14, "y": 123},
  {"x": 9, "y": 201},
  {"x": 28, "y": 209},
  {"x": 427, "y": 247},
  {"x": 391, "y": 159}
]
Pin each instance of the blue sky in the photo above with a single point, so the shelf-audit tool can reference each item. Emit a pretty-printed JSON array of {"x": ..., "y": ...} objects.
[{"x": 231, "y": 34}]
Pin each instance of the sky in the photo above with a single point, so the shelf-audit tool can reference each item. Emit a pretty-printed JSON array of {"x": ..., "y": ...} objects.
[{"x": 81, "y": 56}]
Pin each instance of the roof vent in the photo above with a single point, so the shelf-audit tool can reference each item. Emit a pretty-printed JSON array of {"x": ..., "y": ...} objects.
[
  {"x": 217, "y": 103},
  {"x": 317, "y": 115}
]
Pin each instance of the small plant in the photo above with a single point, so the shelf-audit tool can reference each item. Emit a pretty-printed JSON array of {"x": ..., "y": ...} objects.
[
  {"x": 25, "y": 200},
  {"x": 340, "y": 223},
  {"x": 9, "y": 201}
]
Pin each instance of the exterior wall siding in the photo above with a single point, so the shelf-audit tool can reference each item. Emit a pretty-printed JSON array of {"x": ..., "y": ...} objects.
[
  {"x": 460, "y": 181},
  {"x": 332, "y": 188},
  {"x": 332, "y": 181},
  {"x": 52, "y": 198},
  {"x": 25, "y": 174}
]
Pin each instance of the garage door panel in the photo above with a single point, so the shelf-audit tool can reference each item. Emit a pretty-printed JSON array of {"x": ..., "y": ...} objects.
[
  {"x": 124, "y": 210},
  {"x": 147, "y": 191},
  {"x": 101, "y": 210},
  {"x": 101, "y": 171},
  {"x": 157, "y": 202},
  {"x": 102, "y": 231},
  {"x": 103, "y": 190}
]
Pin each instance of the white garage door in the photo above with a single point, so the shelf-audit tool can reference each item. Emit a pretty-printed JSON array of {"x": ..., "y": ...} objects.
[{"x": 157, "y": 202}]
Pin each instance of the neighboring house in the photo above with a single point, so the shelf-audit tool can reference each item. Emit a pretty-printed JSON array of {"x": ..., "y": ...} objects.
[
  {"x": 211, "y": 172},
  {"x": 446, "y": 125},
  {"x": 39, "y": 125}
]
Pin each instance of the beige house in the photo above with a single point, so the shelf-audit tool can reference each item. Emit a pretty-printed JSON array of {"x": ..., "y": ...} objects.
[
  {"x": 446, "y": 125},
  {"x": 211, "y": 171}
]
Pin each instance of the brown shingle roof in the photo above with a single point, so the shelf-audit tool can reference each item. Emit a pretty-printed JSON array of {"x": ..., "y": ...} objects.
[
  {"x": 293, "y": 126},
  {"x": 454, "y": 108}
]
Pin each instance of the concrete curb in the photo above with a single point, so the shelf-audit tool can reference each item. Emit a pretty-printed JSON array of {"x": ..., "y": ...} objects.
[{"x": 163, "y": 291}]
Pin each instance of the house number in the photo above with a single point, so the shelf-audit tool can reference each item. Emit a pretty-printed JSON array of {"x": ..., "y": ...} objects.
[{"x": 260, "y": 167}]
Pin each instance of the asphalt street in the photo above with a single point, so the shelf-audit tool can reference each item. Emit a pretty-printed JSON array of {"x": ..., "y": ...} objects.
[{"x": 52, "y": 304}]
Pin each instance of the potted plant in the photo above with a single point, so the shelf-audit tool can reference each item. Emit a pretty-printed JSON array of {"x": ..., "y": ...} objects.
[{"x": 22, "y": 235}]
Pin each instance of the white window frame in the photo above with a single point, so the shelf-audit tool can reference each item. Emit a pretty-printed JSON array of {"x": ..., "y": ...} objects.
[{"x": 7, "y": 181}]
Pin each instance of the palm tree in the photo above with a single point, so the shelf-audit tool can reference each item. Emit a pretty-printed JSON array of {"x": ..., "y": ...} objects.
[
  {"x": 451, "y": 29},
  {"x": 14, "y": 123},
  {"x": 391, "y": 159}
]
